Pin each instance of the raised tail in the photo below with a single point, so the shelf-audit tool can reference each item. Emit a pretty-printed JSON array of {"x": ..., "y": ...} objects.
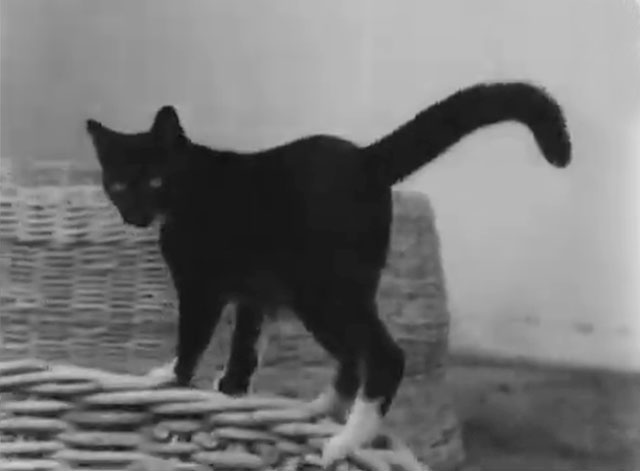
[{"x": 435, "y": 129}]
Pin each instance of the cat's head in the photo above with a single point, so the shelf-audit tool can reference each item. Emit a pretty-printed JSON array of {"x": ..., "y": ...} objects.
[{"x": 134, "y": 166}]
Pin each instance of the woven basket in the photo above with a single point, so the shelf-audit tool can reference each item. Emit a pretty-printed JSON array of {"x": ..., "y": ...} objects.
[
  {"x": 61, "y": 417},
  {"x": 78, "y": 287}
]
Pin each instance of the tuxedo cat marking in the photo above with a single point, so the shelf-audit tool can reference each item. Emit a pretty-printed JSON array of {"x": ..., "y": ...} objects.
[{"x": 303, "y": 226}]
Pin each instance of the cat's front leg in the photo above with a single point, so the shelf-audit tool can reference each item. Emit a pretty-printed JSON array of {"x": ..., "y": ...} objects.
[
  {"x": 200, "y": 308},
  {"x": 248, "y": 343}
]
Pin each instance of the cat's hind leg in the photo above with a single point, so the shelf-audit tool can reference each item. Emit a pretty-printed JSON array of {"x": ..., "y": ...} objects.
[
  {"x": 381, "y": 363},
  {"x": 336, "y": 400}
]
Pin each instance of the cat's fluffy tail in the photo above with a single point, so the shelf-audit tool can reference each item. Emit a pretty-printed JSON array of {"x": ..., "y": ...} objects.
[{"x": 435, "y": 129}]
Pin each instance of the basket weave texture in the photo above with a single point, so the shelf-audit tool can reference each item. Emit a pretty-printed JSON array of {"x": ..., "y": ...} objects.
[
  {"x": 61, "y": 417},
  {"x": 79, "y": 287}
]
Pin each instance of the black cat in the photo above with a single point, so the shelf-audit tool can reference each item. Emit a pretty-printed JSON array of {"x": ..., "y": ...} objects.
[{"x": 304, "y": 226}]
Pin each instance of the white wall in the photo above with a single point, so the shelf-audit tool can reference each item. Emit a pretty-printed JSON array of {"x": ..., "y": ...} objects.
[{"x": 540, "y": 262}]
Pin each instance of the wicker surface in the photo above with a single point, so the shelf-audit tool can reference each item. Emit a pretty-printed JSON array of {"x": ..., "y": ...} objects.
[
  {"x": 61, "y": 417},
  {"x": 77, "y": 286}
]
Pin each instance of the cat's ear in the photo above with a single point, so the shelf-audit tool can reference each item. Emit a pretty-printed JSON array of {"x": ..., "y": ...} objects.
[
  {"x": 96, "y": 130},
  {"x": 166, "y": 128},
  {"x": 93, "y": 126},
  {"x": 99, "y": 136}
]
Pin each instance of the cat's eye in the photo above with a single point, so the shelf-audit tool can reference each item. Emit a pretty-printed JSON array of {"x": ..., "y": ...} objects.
[
  {"x": 117, "y": 187},
  {"x": 155, "y": 182}
]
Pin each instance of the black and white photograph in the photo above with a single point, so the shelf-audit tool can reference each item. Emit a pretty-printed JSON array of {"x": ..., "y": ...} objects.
[{"x": 346, "y": 235}]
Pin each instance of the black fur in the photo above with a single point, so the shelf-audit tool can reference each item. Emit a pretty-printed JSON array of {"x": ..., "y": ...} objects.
[{"x": 305, "y": 225}]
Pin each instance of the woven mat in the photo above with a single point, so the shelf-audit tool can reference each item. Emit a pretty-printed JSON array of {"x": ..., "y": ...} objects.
[{"x": 68, "y": 417}]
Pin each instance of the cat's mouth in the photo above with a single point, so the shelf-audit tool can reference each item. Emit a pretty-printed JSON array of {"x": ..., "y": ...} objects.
[{"x": 138, "y": 220}]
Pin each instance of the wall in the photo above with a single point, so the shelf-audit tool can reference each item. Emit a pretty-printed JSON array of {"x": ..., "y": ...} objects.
[{"x": 541, "y": 263}]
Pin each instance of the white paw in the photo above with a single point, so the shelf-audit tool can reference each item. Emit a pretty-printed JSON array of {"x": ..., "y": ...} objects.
[
  {"x": 217, "y": 379},
  {"x": 337, "y": 448},
  {"x": 361, "y": 427},
  {"x": 216, "y": 383},
  {"x": 163, "y": 373}
]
